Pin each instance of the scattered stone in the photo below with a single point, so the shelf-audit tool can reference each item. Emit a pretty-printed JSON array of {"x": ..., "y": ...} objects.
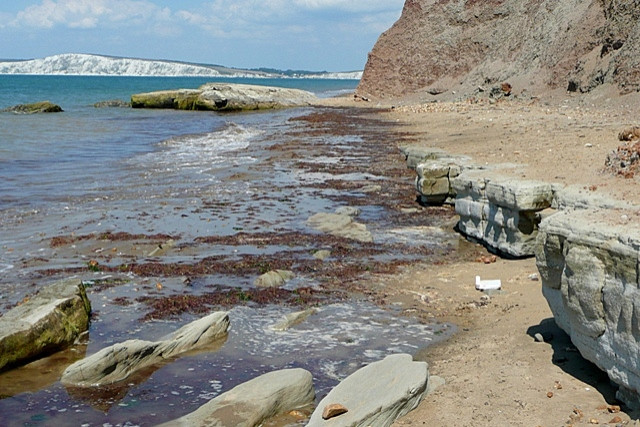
[
  {"x": 593, "y": 421},
  {"x": 615, "y": 420},
  {"x": 322, "y": 254},
  {"x": 119, "y": 361},
  {"x": 629, "y": 134},
  {"x": 550, "y": 394},
  {"x": 340, "y": 226},
  {"x": 539, "y": 337},
  {"x": 377, "y": 394},
  {"x": 534, "y": 277},
  {"x": 36, "y": 107},
  {"x": 613, "y": 409},
  {"x": 293, "y": 319},
  {"x": 252, "y": 403},
  {"x": 43, "y": 324},
  {"x": 274, "y": 279},
  {"x": 162, "y": 248},
  {"x": 333, "y": 410}
]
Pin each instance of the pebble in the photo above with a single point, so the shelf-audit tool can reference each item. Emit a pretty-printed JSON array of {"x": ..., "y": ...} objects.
[
  {"x": 333, "y": 410},
  {"x": 539, "y": 337},
  {"x": 533, "y": 277}
]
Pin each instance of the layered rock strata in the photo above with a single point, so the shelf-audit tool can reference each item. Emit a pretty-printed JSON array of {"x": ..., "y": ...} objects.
[
  {"x": 587, "y": 249},
  {"x": 224, "y": 97},
  {"x": 501, "y": 212},
  {"x": 589, "y": 263},
  {"x": 48, "y": 322}
]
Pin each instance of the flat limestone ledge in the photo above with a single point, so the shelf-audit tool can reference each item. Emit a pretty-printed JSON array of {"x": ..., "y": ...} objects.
[
  {"x": 377, "y": 394},
  {"x": 255, "y": 401},
  {"x": 224, "y": 97},
  {"x": 589, "y": 266},
  {"x": 50, "y": 321},
  {"x": 499, "y": 211}
]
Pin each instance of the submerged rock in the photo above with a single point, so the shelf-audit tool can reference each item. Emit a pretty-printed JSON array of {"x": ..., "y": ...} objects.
[
  {"x": 274, "y": 279},
  {"x": 293, "y": 319},
  {"x": 36, "y": 107},
  {"x": 224, "y": 97},
  {"x": 113, "y": 364},
  {"x": 377, "y": 394},
  {"x": 255, "y": 401},
  {"x": 112, "y": 103},
  {"x": 48, "y": 322},
  {"x": 341, "y": 226}
]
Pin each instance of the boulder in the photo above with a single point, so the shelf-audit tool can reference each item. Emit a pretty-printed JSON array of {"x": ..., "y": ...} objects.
[
  {"x": 116, "y": 363},
  {"x": 224, "y": 97},
  {"x": 36, "y": 107},
  {"x": 341, "y": 226},
  {"x": 274, "y": 279},
  {"x": 255, "y": 401},
  {"x": 590, "y": 271},
  {"x": 377, "y": 394},
  {"x": 48, "y": 322}
]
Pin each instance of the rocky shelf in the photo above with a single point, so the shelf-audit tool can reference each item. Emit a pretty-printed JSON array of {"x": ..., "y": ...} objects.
[
  {"x": 224, "y": 97},
  {"x": 587, "y": 250}
]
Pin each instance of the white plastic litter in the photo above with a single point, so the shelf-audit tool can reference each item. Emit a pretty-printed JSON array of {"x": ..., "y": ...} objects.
[{"x": 486, "y": 285}]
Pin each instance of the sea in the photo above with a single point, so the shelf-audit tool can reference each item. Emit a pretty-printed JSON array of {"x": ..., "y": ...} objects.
[{"x": 142, "y": 205}]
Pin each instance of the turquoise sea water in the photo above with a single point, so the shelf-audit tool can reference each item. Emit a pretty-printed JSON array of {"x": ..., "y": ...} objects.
[{"x": 51, "y": 156}]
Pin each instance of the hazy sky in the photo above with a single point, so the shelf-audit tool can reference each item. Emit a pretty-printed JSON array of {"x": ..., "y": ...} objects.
[{"x": 332, "y": 35}]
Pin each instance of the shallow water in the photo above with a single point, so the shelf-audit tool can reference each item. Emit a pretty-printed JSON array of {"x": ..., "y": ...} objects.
[{"x": 231, "y": 195}]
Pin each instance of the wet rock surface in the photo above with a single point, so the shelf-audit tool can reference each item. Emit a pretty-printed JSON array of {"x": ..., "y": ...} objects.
[
  {"x": 118, "y": 362},
  {"x": 255, "y": 401},
  {"x": 42, "y": 324},
  {"x": 155, "y": 259},
  {"x": 34, "y": 108}
]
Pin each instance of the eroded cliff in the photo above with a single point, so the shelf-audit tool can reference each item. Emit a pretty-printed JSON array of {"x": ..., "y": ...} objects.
[{"x": 440, "y": 46}]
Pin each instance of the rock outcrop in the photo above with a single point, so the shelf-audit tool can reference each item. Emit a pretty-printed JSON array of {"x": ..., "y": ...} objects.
[
  {"x": 48, "y": 322},
  {"x": 457, "y": 45},
  {"x": 116, "y": 363},
  {"x": 590, "y": 270},
  {"x": 224, "y": 97},
  {"x": 33, "y": 108},
  {"x": 377, "y": 394},
  {"x": 501, "y": 212},
  {"x": 255, "y": 401}
]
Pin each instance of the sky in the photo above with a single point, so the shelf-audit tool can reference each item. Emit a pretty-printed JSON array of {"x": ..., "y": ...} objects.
[{"x": 316, "y": 35}]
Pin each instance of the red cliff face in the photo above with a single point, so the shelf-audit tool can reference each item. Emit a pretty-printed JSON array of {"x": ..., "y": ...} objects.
[{"x": 458, "y": 45}]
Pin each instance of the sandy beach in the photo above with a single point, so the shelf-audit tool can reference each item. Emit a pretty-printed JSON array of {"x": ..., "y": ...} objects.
[{"x": 496, "y": 372}]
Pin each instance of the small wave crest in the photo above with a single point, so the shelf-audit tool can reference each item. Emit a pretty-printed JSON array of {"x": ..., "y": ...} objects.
[{"x": 199, "y": 152}]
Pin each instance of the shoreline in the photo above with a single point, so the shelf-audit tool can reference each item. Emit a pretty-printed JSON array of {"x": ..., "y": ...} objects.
[{"x": 496, "y": 372}]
